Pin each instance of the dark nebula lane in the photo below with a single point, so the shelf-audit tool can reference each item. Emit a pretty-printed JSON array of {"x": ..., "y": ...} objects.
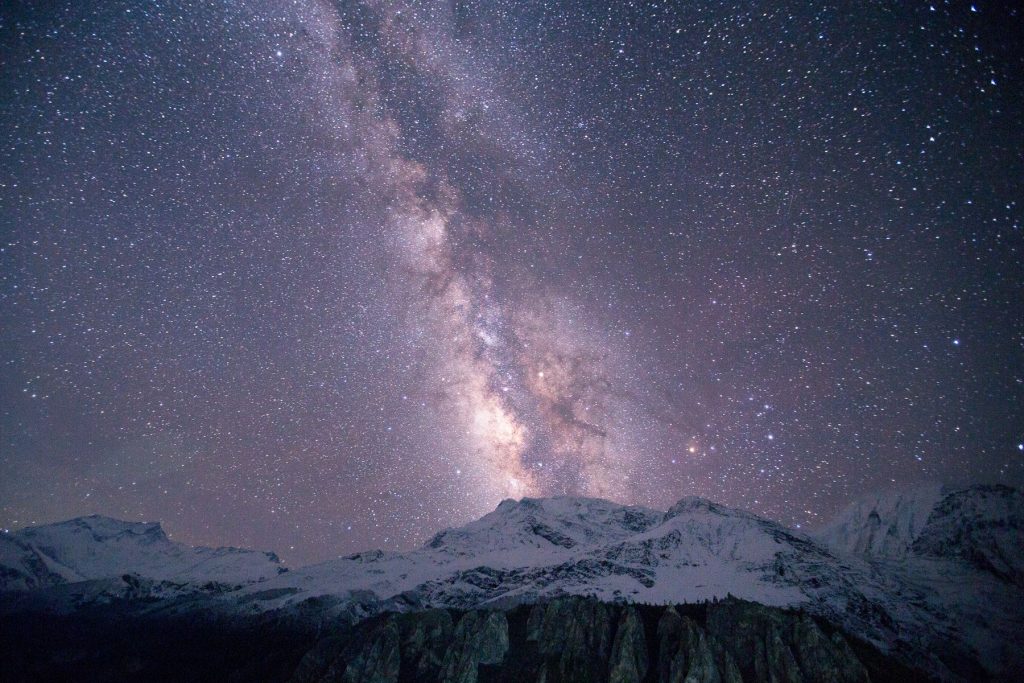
[{"x": 323, "y": 276}]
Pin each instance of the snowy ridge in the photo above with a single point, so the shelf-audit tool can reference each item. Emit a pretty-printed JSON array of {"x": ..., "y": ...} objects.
[
  {"x": 96, "y": 547},
  {"x": 982, "y": 526},
  {"x": 955, "y": 556},
  {"x": 884, "y": 524},
  {"x": 534, "y": 550},
  {"x": 540, "y": 523},
  {"x": 930, "y": 575}
]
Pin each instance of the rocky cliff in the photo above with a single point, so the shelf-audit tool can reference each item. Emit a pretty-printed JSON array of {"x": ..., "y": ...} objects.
[{"x": 580, "y": 640}]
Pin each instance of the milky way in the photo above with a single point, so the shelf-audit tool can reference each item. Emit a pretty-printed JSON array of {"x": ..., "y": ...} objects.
[{"x": 317, "y": 277}]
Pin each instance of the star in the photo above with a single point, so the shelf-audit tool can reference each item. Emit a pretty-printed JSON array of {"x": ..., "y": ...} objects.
[{"x": 247, "y": 300}]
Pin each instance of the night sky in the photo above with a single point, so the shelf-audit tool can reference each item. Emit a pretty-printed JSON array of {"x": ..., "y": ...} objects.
[{"x": 318, "y": 277}]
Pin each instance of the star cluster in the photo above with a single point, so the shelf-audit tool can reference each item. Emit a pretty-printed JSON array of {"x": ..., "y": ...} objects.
[{"x": 320, "y": 276}]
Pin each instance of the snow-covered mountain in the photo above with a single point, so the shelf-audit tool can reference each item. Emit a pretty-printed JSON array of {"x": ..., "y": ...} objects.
[
  {"x": 539, "y": 548},
  {"x": 930, "y": 575},
  {"x": 883, "y": 524},
  {"x": 955, "y": 556},
  {"x": 96, "y": 547},
  {"x": 981, "y": 526}
]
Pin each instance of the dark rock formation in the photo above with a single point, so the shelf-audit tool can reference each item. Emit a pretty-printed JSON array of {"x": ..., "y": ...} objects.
[
  {"x": 687, "y": 653},
  {"x": 982, "y": 526},
  {"x": 425, "y": 641},
  {"x": 377, "y": 661},
  {"x": 566, "y": 640},
  {"x": 773, "y": 645},
  {"x": 479, "y": 638},
  {"x": 629, "y": 651},
  {"x": 576, "y": 640}
]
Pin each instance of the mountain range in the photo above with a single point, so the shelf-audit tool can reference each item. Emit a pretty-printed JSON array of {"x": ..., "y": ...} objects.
[{"x": 930, "y": 578}]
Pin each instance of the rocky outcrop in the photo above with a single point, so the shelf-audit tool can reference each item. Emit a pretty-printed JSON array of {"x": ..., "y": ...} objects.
[
  {"x": 480, "y": 638},
  {"x": 629, "y": 651},
  {"x": 378, "y": 662},
  {"x": 575, "y": 639},
  {"x": 981, "y": 526},
  {"x": 687, "y": 654},
  {"x": 425, "y": 641},
  {"x": 579, "y": 640},
  {"x": 369, "y": 653},
  {"x": 773, "y": 645}
]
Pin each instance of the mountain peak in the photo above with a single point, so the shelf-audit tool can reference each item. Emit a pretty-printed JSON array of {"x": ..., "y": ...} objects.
[
  {"x": 961, "y": 551},
  {"x": 561, "y": 503},
  {"x": 557, "y": 521},
  {"x": 98, "y": 528},
  {"x": 104, "y": 524},
  {"x": 506, "y": 505},
  {"x": 981, "y": 525},
  {"x": 690, "y": 504},
  {"x": 101, "y": 547}
]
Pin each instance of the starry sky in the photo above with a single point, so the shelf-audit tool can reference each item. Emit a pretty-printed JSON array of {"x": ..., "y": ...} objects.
[{"x": 319, "y": 276}]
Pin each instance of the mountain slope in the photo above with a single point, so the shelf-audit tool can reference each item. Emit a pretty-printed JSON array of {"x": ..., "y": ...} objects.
[
  {"x": 955, "y": 556},
  {"x": 883, "y": 524},
  {"x": 96, "y": 547},
  {"x": 931, "y": 576},
  {"x": 980, "y": 525},
  {"x": 537, "y": 550},
  {"x": 531, "y": 549}
]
